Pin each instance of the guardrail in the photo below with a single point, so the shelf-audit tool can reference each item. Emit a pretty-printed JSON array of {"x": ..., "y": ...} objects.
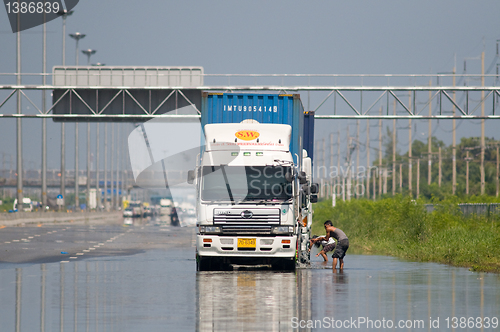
[
  {"x": 468, "y": 209},
  {"x": 18, "y": 218}
]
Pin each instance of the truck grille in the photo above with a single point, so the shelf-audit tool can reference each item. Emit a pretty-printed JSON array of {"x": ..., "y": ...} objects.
[{"x": 246, "y": 221}]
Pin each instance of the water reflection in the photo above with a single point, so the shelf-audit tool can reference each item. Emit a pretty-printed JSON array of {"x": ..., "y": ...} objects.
[
  {"x": 252, "y": 300},
  {"x": 161, "y": 291}
]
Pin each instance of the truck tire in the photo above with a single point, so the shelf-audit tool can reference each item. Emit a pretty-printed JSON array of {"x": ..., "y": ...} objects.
[
  {"x": 202, "y": 263},
  {"x": 284, "y": 265}
]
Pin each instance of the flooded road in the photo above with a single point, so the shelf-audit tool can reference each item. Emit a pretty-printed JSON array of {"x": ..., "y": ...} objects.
[{"x": 146, "y": 281}]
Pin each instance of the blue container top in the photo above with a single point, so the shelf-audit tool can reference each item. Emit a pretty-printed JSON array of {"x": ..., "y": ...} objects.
[{"x": 264, "y": 108}]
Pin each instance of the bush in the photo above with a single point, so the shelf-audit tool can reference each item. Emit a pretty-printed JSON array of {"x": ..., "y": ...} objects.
[{"x": 401, "y": 227}]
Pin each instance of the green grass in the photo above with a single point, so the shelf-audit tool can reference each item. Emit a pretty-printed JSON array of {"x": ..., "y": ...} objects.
[{"x": 400, "y": 227}]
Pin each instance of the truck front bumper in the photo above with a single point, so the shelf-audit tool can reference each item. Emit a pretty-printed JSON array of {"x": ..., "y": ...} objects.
[{"x": 227, "y": 246}]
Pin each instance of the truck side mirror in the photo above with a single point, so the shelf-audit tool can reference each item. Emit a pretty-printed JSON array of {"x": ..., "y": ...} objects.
[
  {"x": 314, "y": 199},
  {"x": 302, "y": 178},
  {"x": 190, "y": 178},
  {"x": 288, "y": 176},
  {"x": 314, "y": 188}
]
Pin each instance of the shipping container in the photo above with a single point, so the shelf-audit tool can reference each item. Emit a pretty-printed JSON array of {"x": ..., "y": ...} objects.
[
  {"x": 264, "y": 108},
  {"x": 309, "y": 134}
]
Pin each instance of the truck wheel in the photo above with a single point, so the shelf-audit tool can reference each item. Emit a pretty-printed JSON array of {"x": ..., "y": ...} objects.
[
  {"x": 284, "y": 265},
  {"x": 200, "y": 264},
  {"x": 203, "y": 263}
]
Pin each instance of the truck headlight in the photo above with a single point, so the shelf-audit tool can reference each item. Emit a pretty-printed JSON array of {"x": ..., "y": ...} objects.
[
  {"x": 209, "y": 229},
  {"x": 282, "y": 230}
]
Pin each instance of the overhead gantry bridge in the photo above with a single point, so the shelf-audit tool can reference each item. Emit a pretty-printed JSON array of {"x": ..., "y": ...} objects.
[
  {"x": 138, "y": 94},
  {"x": 142, "y": 93}
]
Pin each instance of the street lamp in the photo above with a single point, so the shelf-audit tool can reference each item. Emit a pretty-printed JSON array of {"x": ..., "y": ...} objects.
[
  {"x": 88, "y": 53},
  {"x": 64, "y": 13},
  {"x": 77, "y": 36}
]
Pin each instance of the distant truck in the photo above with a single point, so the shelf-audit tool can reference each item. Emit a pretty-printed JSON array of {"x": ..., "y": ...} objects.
[
  {"x": 165, "y": 207},
  {"x": 137, "y": 208},
  {"x": 254, "y": 183}
]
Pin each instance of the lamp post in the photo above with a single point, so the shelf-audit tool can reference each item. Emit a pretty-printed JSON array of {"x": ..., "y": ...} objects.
[
  {"x": 64, "y": 14},
  {"x": 77, "y": 36},
  {"x": 88, "y": 53}
]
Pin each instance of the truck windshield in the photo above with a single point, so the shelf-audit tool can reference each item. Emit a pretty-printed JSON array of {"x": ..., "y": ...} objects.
[{"x": 245, "y": 183}]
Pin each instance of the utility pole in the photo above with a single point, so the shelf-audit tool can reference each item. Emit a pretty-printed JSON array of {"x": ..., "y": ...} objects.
[
  {"x": 97, "y": 167},
  {"x": 77, "y": 203},
  {"x": 394, "y": 152},
  {"x": 440, "y": 164},
  {"x": 323, "y": 155},
  {"x": 482, "y": 125},
  {"x": 105, "y": 198},
  {"x": 401, "y": 177},
  {"x": 498, "y": 174},
  {"x": 380, "y": 154},
  {"x": 357, "y": 158},
  {"x": 386, "y": 170},
  {"x": 348, "y": 193},
  {"x": 117, "y": 201},
  {"x": 112, "y": 195},
  {"x": 454, "y": 144},
  {"x": 429, "y": 143},
  {"x": 44, "y": 120},
  {"x": 330, "y": 180},
  {"x": 338, "y": 160},
  {"x": 374, "y": 186},
  {"x": 367, "y": 159},
  {"x": 410, "y": 180},
  {"x": 418, "y": 177},
  {"x": 467, "y": 173},
  {"x": 19, "y": 136},
  {"x": 88, "y": 166},
  {"x": 64, "y": 15}
]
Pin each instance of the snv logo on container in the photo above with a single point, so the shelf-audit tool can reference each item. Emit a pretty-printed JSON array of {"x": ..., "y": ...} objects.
[{"x": 26, "y": 14}]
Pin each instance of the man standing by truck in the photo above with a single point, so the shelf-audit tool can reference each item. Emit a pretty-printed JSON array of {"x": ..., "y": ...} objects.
[{"x": 342, "y": 243}]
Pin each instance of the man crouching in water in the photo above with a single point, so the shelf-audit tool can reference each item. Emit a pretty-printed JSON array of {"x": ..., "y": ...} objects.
[{"x": 342, "y": 243}]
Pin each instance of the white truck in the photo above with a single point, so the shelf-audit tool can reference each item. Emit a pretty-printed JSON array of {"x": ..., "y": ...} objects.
[{"x": 253, "y": 197}]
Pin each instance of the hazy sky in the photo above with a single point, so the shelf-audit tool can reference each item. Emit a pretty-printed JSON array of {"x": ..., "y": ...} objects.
[{"x": 319, "y": 37}]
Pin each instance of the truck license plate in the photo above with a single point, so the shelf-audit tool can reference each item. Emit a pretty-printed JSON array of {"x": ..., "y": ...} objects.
[{"x": 246, "y": 243}]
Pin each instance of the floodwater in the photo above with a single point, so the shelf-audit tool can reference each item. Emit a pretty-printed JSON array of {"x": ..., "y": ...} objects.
[{"x": 159, "y": 290}]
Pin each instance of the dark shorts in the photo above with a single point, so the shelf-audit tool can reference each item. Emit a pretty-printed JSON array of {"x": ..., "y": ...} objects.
[
  {"x": 329, "y": 247},
  {"x": 341, "y": 249}
]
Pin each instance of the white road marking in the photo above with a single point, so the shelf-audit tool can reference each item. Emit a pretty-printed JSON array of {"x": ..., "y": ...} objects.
[
  {"x": 64, "y": 261},
  {"x": 91, "y": 249},
  {"x": 7, "y": 242},
  {"x": 86, "y": 250},
  {"x": 79, "y": 254},
  {"x": 15, "y": 240},
  {"x": 73, "y": 257},
  {"x": 30, "y": 237}
]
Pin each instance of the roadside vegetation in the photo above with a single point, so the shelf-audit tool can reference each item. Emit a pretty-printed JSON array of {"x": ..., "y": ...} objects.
[{"x": 401, "y": 227}]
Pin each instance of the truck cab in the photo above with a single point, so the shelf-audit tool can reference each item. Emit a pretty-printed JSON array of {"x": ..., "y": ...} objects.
[{"x": 250, "y": 202}]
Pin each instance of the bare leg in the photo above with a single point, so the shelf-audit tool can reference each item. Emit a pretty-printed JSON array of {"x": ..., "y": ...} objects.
[
  {"x": 334, "y": 265},
  {"x": 322, "y": 253},
  {"x": 341, "y": 264}
]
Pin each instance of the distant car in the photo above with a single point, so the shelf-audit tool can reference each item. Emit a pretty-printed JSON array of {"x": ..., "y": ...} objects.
[
  {"x": 128, "y": 212},
  {"x": 27, "y": 205}
]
